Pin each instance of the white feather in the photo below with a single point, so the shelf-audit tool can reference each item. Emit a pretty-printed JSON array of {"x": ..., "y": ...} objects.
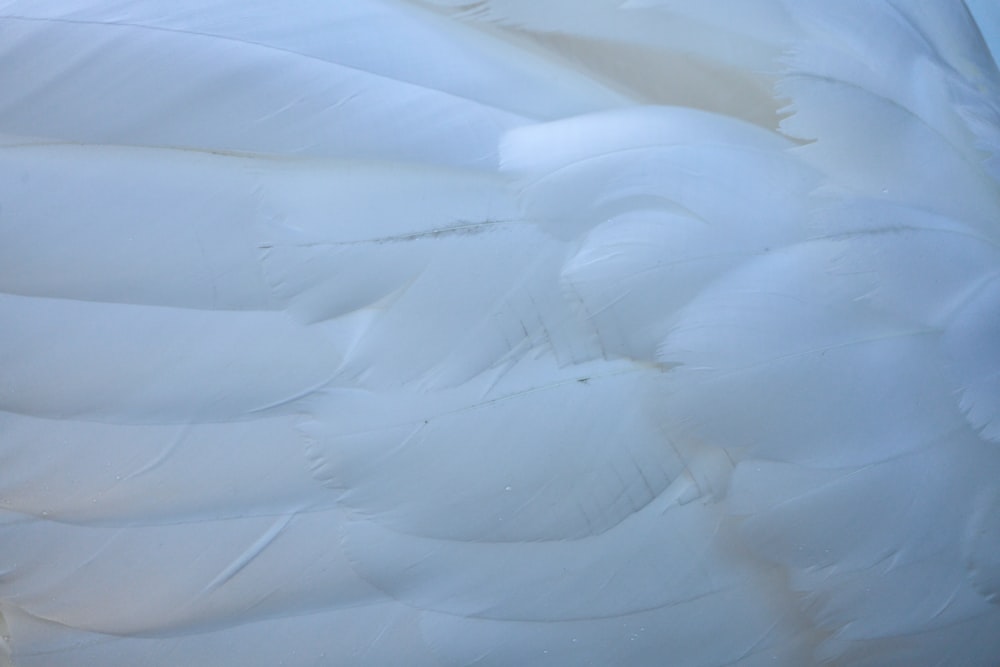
[{"x": 504, "y": 333}]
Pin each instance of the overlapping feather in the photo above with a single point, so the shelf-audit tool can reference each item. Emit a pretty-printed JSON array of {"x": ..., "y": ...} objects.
[{"x": 502, "y": 334}]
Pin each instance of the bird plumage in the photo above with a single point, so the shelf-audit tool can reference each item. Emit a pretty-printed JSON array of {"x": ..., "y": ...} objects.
[{"x": 502, "y": 333}]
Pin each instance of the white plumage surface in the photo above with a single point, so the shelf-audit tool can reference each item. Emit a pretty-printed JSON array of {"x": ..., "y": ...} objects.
[{"x": 503, "y": 333}]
